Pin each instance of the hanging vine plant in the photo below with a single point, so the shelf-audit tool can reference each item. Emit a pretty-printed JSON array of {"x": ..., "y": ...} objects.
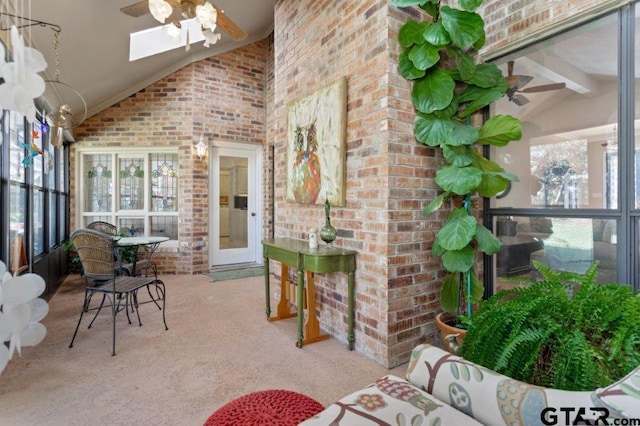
[{"x": 448, "y": 86}]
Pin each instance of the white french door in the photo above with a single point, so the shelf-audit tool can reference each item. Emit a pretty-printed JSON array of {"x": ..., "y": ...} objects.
[{"x": 236, "y": 215}]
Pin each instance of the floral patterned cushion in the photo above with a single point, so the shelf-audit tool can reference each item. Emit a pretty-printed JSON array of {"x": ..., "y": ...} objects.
[
  {"x": 623, "y": 397},
  {"x": 492, "y": 398},
  {"x": 390, "y": 400}
]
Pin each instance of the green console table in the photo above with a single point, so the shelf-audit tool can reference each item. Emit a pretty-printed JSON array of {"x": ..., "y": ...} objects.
[{"x": 297, "y": 253}]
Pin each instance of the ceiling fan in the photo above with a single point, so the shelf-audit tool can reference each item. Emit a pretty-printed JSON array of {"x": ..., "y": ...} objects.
[
  {"x": 187, "y": 9},
  {"x": 517, "y": 83}
]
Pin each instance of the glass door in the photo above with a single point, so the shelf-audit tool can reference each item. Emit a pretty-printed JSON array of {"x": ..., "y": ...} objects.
[{"x": 235, "y": 215}]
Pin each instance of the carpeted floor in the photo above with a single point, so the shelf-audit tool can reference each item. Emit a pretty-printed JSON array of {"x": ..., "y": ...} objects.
[
  {"x": 219, "y": 347},
  {"x": 237, "y": 274}
]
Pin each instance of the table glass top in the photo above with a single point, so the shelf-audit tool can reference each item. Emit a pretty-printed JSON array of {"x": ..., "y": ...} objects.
[{"x": 137, "y": 241}]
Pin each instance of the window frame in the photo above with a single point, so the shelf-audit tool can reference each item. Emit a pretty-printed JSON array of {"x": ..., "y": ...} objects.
[
  {"x": 53, "y": 235},
  {"x": 625, "y": 215},
  {"x": 116, "y": 214}
]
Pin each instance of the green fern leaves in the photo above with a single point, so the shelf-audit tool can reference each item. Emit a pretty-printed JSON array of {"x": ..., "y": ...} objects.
[{"x": 563, "y": 331}]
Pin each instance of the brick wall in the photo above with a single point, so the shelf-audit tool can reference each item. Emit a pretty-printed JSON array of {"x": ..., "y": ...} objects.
[
  {"x": 509, "y": 21},
  {"x": 222, "y": 98}
]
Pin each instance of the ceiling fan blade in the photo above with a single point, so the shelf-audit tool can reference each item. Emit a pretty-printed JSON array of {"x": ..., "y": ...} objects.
[
  {"x": 136, "y": 9},
  {"x": 544, "y": 88},
  {"x": 519, "y": 100},
  {"x": 229, "y": 27},
  {"x": 519, "y": 81}
]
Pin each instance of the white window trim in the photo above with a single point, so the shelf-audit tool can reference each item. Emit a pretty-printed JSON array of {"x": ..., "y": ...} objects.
[{"x": 80, "y": 214}]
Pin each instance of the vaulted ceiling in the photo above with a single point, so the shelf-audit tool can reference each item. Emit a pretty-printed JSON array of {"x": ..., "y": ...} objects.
[{"x": 94, "y": 45}]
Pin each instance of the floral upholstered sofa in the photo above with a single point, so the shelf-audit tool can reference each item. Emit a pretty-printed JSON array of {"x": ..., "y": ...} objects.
[{"x": 444, "y": 389}]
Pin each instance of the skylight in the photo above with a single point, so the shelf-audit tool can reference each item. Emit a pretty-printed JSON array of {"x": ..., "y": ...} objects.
[{"x": 158, "y": 39}]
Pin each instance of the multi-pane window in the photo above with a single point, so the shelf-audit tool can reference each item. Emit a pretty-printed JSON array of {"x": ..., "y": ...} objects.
[
  {"x": 34, "y": 174},
  {"x": 136, "y": 191},
  {"x": 578, "y": 161}
]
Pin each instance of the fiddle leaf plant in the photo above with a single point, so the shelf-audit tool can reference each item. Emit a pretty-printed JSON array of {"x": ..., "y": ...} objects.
[{"x": 448, "y": 86}]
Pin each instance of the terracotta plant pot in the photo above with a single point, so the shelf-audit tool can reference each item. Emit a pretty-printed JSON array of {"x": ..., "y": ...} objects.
[{"x": 452, "y": 336}]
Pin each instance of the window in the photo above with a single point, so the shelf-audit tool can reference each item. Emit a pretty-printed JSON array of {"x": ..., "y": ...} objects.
[
  {"x": 134, "y": 190},
  {"x": 578, "y": 163},
  {"x": 34, "y": 181}
]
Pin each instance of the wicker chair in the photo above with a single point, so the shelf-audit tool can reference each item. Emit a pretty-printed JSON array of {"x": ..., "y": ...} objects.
[
  {"x": 144, "y": 266},
  {"x": 120, "y": 293},
  {"x": 104, "y": 227}
]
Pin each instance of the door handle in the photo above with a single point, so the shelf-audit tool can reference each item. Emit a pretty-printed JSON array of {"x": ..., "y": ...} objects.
[{"x": 253, "y": 213}]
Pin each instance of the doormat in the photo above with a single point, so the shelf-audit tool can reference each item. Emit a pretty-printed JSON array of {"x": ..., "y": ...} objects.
[{"x": 236, "y": 274}]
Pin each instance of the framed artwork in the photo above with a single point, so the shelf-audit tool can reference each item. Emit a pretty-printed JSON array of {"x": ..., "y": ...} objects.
[{"x": 316, "y": 139}]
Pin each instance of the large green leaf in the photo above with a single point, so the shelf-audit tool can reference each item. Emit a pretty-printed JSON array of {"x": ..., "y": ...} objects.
[
  {"x": 430, "y": 130},
  {"x": 470, "y": 5},
  {"x": 458, "y": 260},
  {"x": 409, "y": 3},
  {"x": 492, "y": 184},
  {"x": 436, "y": 203},
  {"x": 465, "y": 28},
  {"x": 449, "y": 111},
  {"x": 406, "y": 67},
  {"x": 499, "y": 130},
  {"x": 437, "y": 249},
  {"x": 431, "y": 8},
  {"x": 466, "y": 65},
  {"x": 458, "y": 231},
  {"x": 433, "y": 92},
  {"x": 412, "y": 33},
  {"x": 494, "y": 178},
  {"x": 486, "y": 98},
  {"x": 487, "y": 242},
  {"x": 424, "y": 56},
  {"x": 477, "y": 289},
  {"x": 437, "y": 35},
  {"x": 450, "y": 293},
  {"x": 462, "y": 134},
  {"x": 459, "y": 180},
  {"x": 458, "y": 156},
  {"x": 486, "y": 75}
]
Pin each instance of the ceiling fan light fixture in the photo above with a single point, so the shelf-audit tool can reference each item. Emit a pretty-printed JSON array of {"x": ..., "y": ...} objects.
[
  {"x": 207, "y": 15},
  {"x": 174, "y": 30},
  {"x": 210, "y": 37},
  {"x": 160, "y": 10}
]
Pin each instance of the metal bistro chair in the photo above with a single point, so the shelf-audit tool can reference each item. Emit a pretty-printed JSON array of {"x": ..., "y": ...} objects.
[
  {"x": 145, "y": 267},
  {"x": 96, "y": 251}
]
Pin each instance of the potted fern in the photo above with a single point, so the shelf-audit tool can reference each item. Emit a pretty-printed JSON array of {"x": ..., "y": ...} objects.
[
  {"x": 562, "y": 331},
  {"x": 448, "y": 87}
]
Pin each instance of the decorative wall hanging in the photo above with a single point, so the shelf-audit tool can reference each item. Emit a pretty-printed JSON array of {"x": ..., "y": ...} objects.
[
  {"x": 316, "y": 139},
  {"x": 61, "y": 118},
  {"x": 22, "y": 85},
  {"x": 21, "y": 311}
]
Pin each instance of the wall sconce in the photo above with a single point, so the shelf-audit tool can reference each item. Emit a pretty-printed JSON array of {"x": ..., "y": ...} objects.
[{"x": 201, "y": 148}]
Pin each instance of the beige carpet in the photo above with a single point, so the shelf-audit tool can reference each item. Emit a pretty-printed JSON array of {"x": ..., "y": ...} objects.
[{"x": 219, "y": 346}]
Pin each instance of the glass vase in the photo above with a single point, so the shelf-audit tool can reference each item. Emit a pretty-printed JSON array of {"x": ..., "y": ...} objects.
[{"x": 328, "y": 233}]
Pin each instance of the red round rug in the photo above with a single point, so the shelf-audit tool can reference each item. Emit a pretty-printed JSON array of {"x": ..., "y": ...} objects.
[{"x": 270, "y": 407}]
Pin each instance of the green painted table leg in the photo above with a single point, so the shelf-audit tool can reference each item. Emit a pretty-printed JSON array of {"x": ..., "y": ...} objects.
[
  {"x": 300, "y": 302},
  {"x": 267, "y": 295},
  {"x": 351, "y": 310}
]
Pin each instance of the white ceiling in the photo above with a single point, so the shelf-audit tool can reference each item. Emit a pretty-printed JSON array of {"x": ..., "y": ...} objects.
[{"x": 94, "y": 46}]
